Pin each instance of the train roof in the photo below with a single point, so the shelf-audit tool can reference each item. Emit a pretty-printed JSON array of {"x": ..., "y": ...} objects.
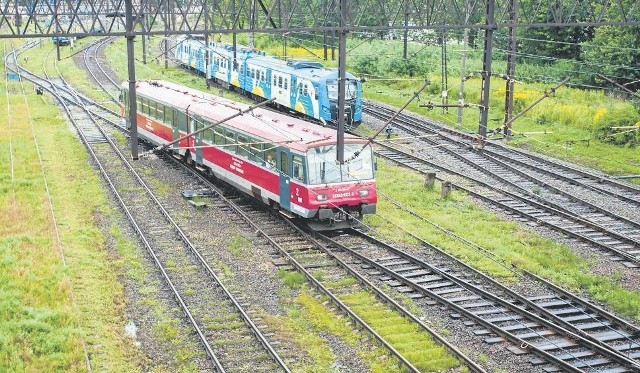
[
  {"x": 274, "y": 127},
  {"x": 308, "y": 69},
  {"x": 311, "y": 70}
]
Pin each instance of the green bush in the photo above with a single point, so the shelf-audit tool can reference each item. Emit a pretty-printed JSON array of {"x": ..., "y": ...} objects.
[
  {"x": 608, "y": 131},
  {"x": 409, "y": 67}
]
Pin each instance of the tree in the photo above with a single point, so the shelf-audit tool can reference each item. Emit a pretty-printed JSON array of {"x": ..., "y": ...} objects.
[{"x": 615, "y": 53}]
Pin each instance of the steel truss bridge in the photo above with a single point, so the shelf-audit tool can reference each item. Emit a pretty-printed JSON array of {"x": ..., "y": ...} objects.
[{"x": 35, "y": 18}]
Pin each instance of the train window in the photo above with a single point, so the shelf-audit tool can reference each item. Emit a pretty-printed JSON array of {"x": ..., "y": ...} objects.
[
  {"x": 230, "y": 141},
  {"x": 275, "y": 80},
  {"x": 243, "y": 148},
  {"x": 284, "y": 163},
  {"x": 306, "y": 90},
  {"x": 286, "y": 83},
  {"x": 168, "y": 115},
  {"x": 280, "y": 81},
  {"x": 298, "y": 167},
  {"x": 218, "y": 137},
  {"x": 269, "y": 155},
  {"x": 208, "y": 135},
  {"x": 152, "y": 109},
  {"x": 256, "y": 150},
  {"x": 263, "y": 76},
  {"x": 144, "y": 109},
  {"x": 299, "y": 89}
]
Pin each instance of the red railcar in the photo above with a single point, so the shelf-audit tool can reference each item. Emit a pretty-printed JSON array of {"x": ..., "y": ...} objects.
[{"x": 285, "y": 162}]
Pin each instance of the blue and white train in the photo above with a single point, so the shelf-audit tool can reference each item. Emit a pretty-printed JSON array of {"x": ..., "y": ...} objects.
[{"x": 305, "y": 87}]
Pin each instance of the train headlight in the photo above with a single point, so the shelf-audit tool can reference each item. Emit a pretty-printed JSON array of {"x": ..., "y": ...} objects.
[
  {"x": 363, "y": 193},
  {"x": 321, "y": 197}
]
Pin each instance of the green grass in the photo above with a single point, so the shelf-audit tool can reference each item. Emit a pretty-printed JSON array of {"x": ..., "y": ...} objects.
[
  {"x": 308, "y": 320},
  {"x": 292, "y": 279},
  {"x": 40, "y": 328},
  {"x": 238, "y": 245}
]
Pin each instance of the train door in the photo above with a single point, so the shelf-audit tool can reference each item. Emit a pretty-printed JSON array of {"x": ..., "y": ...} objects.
[
  {"x": 293, "y": 92},
  {"x": 282, "y": 160},
  {"x": 280, "y": 88},
  {"x": 198, "y": 140}
]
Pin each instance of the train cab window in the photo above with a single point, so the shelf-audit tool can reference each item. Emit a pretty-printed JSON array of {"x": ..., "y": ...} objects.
[
  {"x": 243, "y": 148},
  {"x": 298, "y": 167},
  {"x": 230, "y": 141},
  {"x": 284, "y": 163}
]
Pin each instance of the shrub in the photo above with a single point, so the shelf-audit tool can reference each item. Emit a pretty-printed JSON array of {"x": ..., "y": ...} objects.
[
  {"x": 607, "y": 130},
  {"x": 367, "y": 64},
  {"x": 409, "y": 67}
]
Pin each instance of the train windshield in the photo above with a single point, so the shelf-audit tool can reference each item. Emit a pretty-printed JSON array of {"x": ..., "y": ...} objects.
[
  {"x": 350, "y": 89},
  {"x": 324, "y": 170}
]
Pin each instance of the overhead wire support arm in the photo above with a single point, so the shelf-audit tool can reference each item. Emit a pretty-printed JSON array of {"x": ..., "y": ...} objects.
[
  {"x": 536, "y": 102},
  {"x": 430, "y": 105},
  {"x": 415, "y": 95},
  {"x": 239, "y": 113},
  {"x": 619, "y": 85}
]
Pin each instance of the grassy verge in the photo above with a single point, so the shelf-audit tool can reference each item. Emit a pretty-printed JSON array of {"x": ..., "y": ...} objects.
[
  {"x": 508, "y": 242},
  {"x": 40, "y": 329}
]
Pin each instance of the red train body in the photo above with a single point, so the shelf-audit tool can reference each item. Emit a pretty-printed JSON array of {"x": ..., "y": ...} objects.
[{"x": 285, "y": 162}]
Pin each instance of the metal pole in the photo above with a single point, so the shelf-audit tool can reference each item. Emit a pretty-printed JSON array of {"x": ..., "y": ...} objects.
[
  {"x": 132, "y": 80},
  {"x": 465, "y": 41},
  {"x": 207, "y": 75},
  {"x": 445, "y": 82},
  {"x": 486, "y": 74},
  {"x": 145, "y": 38},
  {"x": 252, "y": 24},
  {"x": 165, "y": 41},
  {"x": 234, "y": 35},
  {"x": 511, "y": 70},
  {"x": 406, "y": 30},
  {"x": 342, "y": 69}
]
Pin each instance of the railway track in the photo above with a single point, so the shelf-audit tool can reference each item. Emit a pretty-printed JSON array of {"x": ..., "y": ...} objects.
[
  {"x": 565, "y": 332},
  {"x": 582, "y": 352},
  {"x": 343, "y": 286},
  {"x": 521, "y": 192},
  {"x": 247, "y": 210},
  {"x": 227, "y": 334}
]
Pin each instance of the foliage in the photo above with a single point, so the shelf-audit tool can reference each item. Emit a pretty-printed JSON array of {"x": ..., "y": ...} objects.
[
  {"x": 367, "y": 65},
  {"x": 292, "y": 279},
  {"x": 607, "y": 131},
  {"x": 616, "y": 62}
]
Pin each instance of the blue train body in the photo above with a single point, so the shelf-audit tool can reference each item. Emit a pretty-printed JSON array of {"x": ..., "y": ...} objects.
[{"x": 302, "y": 86}]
